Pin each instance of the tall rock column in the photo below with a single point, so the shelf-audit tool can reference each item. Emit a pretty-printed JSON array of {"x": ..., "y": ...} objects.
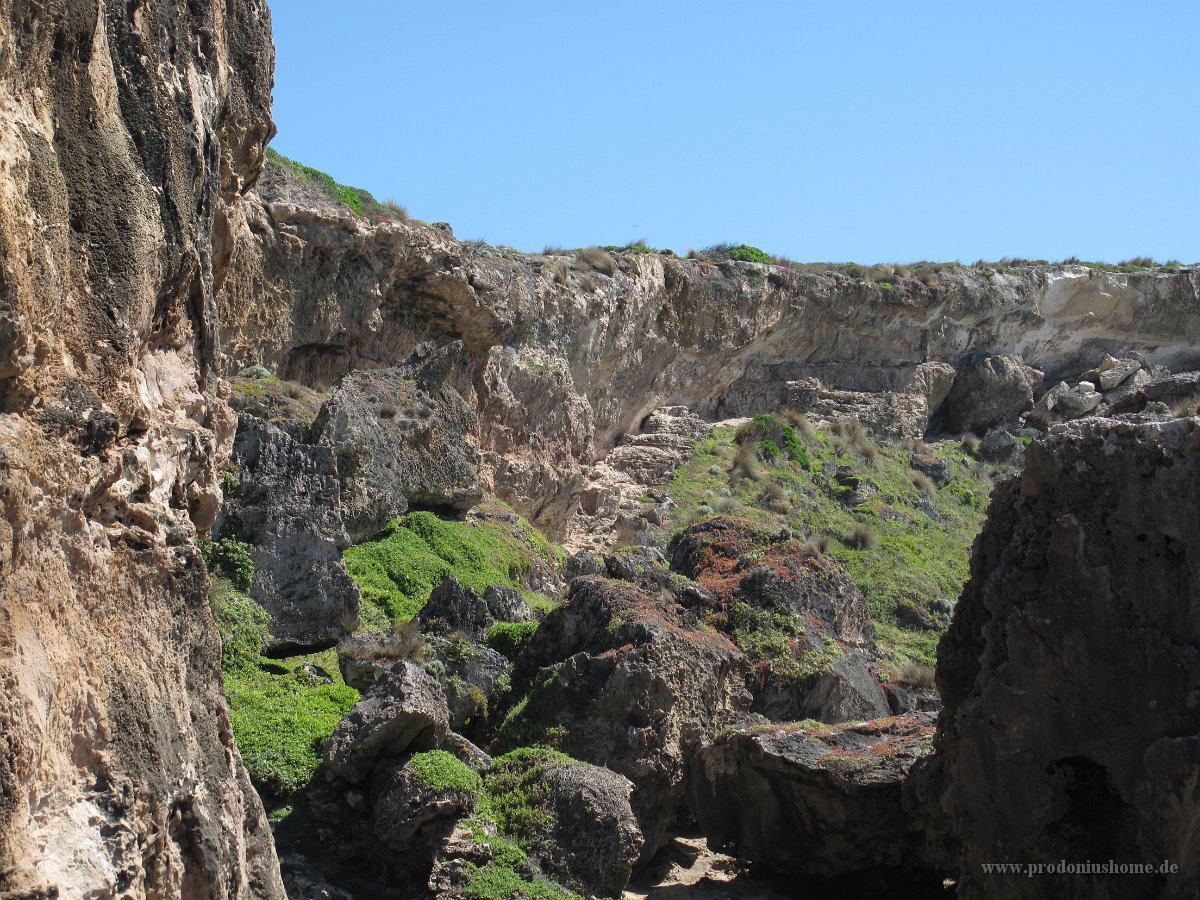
[
  {"x": 1071, "y": 672},
  {"x": 128, "y": 133}
]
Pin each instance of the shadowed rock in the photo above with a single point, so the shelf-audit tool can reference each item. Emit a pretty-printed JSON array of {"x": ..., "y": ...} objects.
[
  {"x": 1071, "y": 727},
  {"x": 287, "y": 508}
]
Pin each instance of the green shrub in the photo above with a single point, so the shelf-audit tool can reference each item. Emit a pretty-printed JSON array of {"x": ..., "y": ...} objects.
[
  {"x": 281, "y": 723},
  {"x": 442, "y": 771},
  {"x": 242, "y": 624},
  {"x": 510, "y": 638},
  {"x": 746, "y": 253},
  {"x": 496, "y": 881},
  {"x": 355, "y": 199},
  {"x": 231, "y": 558},
  {"x": 515, "y": 797}
]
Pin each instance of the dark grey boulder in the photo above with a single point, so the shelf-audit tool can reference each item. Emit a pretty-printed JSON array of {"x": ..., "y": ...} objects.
[
  {"x": 993, "y": 392},
  {"x": 824, "y": 804},
  {"x": 400, "y": 439},
  {"x": 1071, "y": 727},
  {"x": 407, "y": 811},
  {"x": 286, "y": 506},
  {"x": 453, "y": 607},
  {"x": 405, "y": 711}
]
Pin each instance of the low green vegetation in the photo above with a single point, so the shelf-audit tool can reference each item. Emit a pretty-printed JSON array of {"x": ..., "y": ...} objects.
[
  {"x": 510, "y": 638},
  {"x": 397, "y": 571},
  {"x": 355, "y": 199},
  {"x": 230, "y": 557},
  {"x": 281, "y": 714},
  {"x": 496, "y": 881},
  {"x": 513, "y": 820},
  {"x": 746, "y": 253},
  {"x": 904, "y": 541},
  {"x": 438, "y": 770}
]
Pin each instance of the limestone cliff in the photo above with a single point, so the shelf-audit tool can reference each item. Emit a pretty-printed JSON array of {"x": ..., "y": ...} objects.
[
  {"x": 565, "y": 355},
  {"x": 128, "y": 134}
]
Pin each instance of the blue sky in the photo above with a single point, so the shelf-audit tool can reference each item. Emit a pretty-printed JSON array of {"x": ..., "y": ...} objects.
[{"x": 864, "y": 131}]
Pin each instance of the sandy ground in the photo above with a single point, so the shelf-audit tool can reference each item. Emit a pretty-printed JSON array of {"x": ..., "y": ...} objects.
[{"x": 688, "y": 870}]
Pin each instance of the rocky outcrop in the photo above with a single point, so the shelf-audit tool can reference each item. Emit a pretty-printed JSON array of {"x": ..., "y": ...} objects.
[
  {"x": 823, "y": 804},
  {"x": 610, "y": 510},
  {"x": 403, "y": 711},
  {"x": 283, "y": 499},
  {"x": 995, "y": 391},
  {"x": 804, "y": 623},
  {"x": 561, "y": 360},
  {"x": 623, "y": 682},
  {"x": 1071, "y": 728},
  {"x": 401, "y": 439},
  {"x": 891, "y": 401},
  {"x": 128, "y": 133}
]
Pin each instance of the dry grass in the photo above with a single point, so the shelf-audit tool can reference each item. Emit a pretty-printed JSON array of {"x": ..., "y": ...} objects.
[
  {"x": 588, "y": 283},
  {"x": 395, "y": 210},
  {"x": 861, "y": 537},
  {"x": 559, "y": 270},
  {"x": 800, "y": 422},
  {"x": 597, "y": 260},
  {"x": 817, "y": 544},
  {"x": 776, "y": 496},
  {"x": 1183, "y": 409},
  {"x": 922, "y": 482},
  {"x": 746, "y": 464},
  {"x": 402, "y": 641},
  {"x": 916, "y": 675},
  {"x": 970, "y": 443}
]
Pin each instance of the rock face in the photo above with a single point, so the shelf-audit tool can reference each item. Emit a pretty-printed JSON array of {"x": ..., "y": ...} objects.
[
  {"x": 286, "y": 505},
  {"x": 627, "y": 685},
  {"x": 558, "y": 369},
  {"x": 400, "y": 439},
  {"x": 993, "y": 392},
  {"x": 826, "y": 804},
  {"x": 1072, "y": 721},
  {"x": 128, "y": 134},
  {"x": 610, "y": 510},
  {"x": 891, "y": 401}
]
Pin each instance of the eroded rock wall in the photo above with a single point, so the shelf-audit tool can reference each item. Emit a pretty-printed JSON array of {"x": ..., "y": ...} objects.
[
  {"x": 1071, "y": 728},
  {"x": 128, "y": 133},
  {"x": 563, "y": 357}
]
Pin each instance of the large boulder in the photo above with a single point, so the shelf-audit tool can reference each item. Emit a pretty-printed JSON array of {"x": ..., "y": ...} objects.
[
  {"x": 1071, "y": 728},
  {"x": 419, "y": 800},
  {"x": 468, "y": 674},
  {"x": 400, "y": 437},
  {"x": 823, "y": 803},
  {"x": 995, "y": 391},
  {"x": 771, "y": 592},
  {"x": 404, "y": 711},
  {"x": 452, "y": 607},
  {"x": 1178, "y": 390},
  {"x": 619, "y": 679},
  {"x": 284, "y": 502}
]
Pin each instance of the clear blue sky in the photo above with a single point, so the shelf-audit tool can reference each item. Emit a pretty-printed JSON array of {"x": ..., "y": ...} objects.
[{"x": 868, "y": 131}]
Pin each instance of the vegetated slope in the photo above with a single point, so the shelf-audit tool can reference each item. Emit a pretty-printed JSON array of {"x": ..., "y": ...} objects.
[{"x": 902, "y": 535}]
